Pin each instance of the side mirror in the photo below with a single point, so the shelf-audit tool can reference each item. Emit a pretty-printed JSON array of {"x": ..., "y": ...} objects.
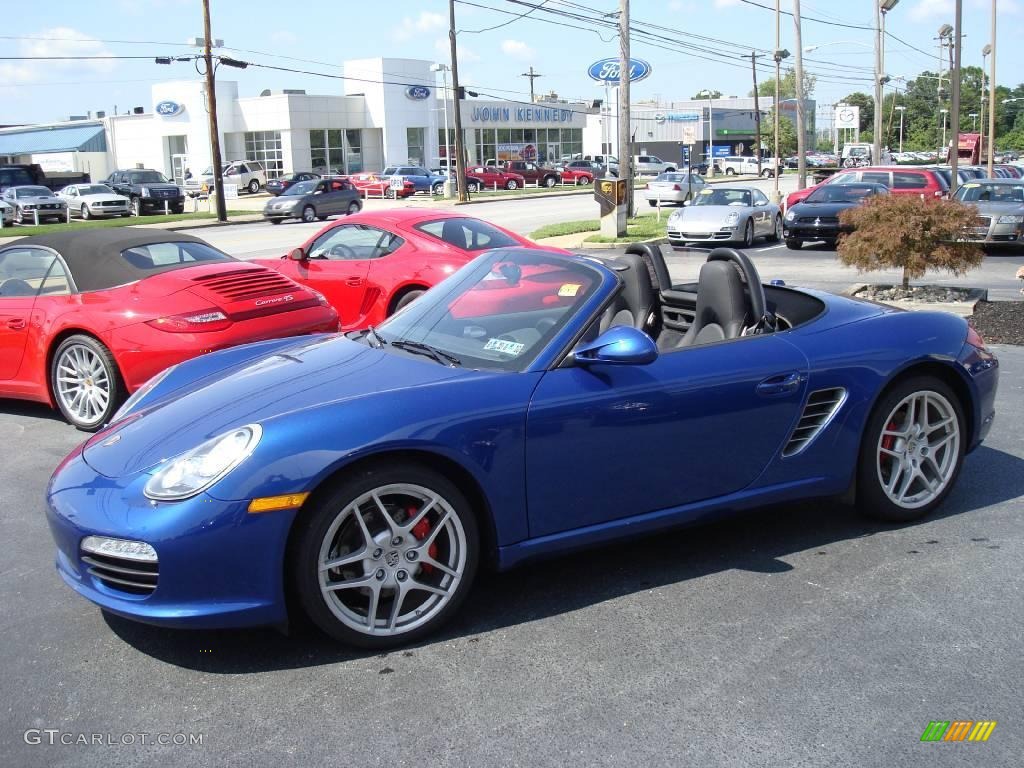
[
  {"x": 621, "y": 345},
  {"x": 297, "y": 254}
]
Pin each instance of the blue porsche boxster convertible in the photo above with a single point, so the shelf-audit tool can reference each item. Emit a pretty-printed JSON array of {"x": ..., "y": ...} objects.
[{"x": 364, "y": 477}]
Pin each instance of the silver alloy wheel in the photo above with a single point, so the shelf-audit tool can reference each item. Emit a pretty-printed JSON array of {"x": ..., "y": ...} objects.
[
  {"x": 918, "y": 449},
  {"x": 85, "y": 212},
  {"x": 136, "y": 207},
  {"x": 392, "y": 559},
  {"x": 778, "y": 228},
  {"x": 82, "y": 383},
  {"x": 353, "y": 208}
]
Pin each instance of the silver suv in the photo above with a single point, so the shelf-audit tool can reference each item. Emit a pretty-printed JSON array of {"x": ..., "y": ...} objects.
[
  {"x": 644, "y": 165},
  {"x": 246, "y": 175}
]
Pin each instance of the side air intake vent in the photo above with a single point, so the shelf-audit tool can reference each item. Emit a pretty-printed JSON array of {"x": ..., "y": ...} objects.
[{"x": 821, "y": 407}]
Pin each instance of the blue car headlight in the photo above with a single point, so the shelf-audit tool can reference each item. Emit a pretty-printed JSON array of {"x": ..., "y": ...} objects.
[
  {"x": 790, "y": 215},
  {"x": 196, "y": 470}
]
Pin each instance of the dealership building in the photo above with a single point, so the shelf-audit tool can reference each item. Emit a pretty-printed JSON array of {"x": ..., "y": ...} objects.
[{"x": 391, "y": 112}]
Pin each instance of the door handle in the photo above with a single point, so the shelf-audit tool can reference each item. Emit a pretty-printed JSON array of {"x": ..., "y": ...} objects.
[
  {"x": 17, "y": 324},
  {"x": 353, "y": 281},
  {"x": 782, "y": 384}
]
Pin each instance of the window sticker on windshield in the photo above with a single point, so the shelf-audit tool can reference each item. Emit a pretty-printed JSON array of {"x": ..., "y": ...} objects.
[
  {"x": 970, "y": 186},
  {"x": 569, "y": 289},
  {"x": 706, "y": 191},
  {"x": 513, "y": 348}
]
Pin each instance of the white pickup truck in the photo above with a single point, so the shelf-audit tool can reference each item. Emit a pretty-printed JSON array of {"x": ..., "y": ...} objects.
[{"x": 735, "y": 165}]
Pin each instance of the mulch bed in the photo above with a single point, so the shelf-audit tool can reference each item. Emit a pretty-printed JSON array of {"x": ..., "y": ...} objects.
[{"x": 1000, "y": 322}]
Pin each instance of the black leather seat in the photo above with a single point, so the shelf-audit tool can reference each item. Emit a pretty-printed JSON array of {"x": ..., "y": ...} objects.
[
  {"x": 636, "y": 304},
  {"x": 722, "y": 305}
]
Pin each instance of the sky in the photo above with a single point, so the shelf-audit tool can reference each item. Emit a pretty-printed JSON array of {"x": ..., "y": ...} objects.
[{"x": 492, "y": 59}]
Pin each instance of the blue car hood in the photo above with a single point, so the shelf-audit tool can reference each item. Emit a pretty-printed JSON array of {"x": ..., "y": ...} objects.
[{"x": 293, "y": 378}]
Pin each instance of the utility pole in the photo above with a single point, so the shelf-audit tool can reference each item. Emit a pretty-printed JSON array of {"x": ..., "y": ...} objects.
[
  {"x": 625, "y": 149},
  {"x": 777, "y": 55},
  {"x": 992, "y": 99},
  {"x": 954, "y": 108},
  {"x": 757, "y": 117},
  {"x": 211, "y": 105},
  {"x": 801, "y": 138},
  {"x": 533, "y": 76},
  {"x": 460, "y": 156}
]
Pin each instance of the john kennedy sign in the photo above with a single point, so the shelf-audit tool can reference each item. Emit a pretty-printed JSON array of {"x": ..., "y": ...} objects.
[{"x": 607, "y": 70}]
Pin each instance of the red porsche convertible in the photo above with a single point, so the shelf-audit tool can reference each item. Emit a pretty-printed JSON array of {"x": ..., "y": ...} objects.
[
  {"x": 86, "y": 318},
  {"x": 371, "y": 264}
]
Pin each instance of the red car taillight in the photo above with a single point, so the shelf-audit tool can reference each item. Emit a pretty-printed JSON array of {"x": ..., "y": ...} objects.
[
  {"x": 974, "y": 338},
  {"x": 192, "y": 322},
  {"x": 677, "y": 188}
]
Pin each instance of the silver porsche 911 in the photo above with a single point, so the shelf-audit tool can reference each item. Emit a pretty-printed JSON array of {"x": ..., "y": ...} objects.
[{"x": 726, "y": 214}]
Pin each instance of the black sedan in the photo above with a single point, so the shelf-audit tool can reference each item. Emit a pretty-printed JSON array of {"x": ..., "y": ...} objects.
[
  {"x": 314, "y": 199},
  {"x": 817, "y": 216},
  {"x": 279, "y": 185}
]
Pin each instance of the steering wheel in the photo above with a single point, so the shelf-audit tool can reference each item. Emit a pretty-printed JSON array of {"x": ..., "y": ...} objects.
[
  {"x": 755, "y": 289},
  {"x": 344, "y": 251}
]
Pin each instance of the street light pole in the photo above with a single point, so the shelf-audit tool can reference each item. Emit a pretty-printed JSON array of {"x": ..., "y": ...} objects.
[
  {"x": 625, "y": 147},
  {"x": 992, "y": 99},
  {"x": 901, "y": 109},
  {"x": 801, "y": 132},
  {"x": 954, "y": 107},
  {"x": 777, "y": 55},
  {"x": 211, "y": 104},
  {"x": 882, "y": 7},
  {"x": 984, "y": 55},
  {"x": 443, "y": 69},
  {"x": 460, "y": 159}
]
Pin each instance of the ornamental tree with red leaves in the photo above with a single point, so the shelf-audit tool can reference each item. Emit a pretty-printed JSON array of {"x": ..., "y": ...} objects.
[{"x": 908, "y": 233}]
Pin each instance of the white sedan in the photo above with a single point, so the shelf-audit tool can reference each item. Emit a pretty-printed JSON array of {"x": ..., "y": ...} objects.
[{"x": 94, "y": 200}]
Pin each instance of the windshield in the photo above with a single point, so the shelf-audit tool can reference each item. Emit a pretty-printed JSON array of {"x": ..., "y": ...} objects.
[
  {"x": 467, "y": 234},
  {"x": 95, "y": 189},
  {"x": 857, "y": 152},
  {"x": 167, "y": 256},
  {"x": 302, "y": 188},
  {"x": 147, "y": 177},
  {"x": 991, "y": 193},
  {"x": 33, "y": 192},
  {"x": 723, "y": 197},
  {"x": 499, "y": 311},
  {"x": 841, "y": 193}
]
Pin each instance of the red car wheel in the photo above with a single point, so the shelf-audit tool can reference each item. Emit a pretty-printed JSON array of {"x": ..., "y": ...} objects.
[{"x": 86, "y": 383}]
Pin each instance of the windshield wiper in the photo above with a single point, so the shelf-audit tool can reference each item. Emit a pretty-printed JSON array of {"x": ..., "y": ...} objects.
[
  {"x": 425, "y": 349},
  {"x": 372, "y": 333}
]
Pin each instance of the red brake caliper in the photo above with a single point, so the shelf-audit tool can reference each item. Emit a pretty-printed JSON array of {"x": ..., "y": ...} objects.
[{"x": 421, "y": 530}]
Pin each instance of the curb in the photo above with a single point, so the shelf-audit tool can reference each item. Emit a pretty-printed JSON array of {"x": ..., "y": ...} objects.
[{"x": 961, "y": 308}]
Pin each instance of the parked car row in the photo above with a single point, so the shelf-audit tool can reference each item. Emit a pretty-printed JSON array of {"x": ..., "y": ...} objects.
[{"x": 30, "y": 204}]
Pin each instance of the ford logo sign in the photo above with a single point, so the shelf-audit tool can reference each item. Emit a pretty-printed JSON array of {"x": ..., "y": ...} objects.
[
  {"x": 607, "y": 70},
  {"x": 169, "y": 108},
  {"x": 417, "y": 92}
]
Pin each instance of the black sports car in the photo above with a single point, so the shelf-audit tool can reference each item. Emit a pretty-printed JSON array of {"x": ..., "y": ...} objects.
[{"x": 817, "y": 216}]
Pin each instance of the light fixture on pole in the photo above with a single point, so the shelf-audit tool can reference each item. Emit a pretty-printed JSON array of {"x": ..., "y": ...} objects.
[
  {"x": 901, "y": 110},
  {"x": 974, "y": 121},
  {"x": 882, "y": 7},
  {"x": 991, "y": 157},
  {"x": 944, "y": 112},
  {"x": 778, "y": 55},
  {"x": 985, "y": 51},
  {"x": 448, "y": 184}
]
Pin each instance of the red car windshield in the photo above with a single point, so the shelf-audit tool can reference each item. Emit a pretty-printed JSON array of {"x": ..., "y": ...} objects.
[{"x": 467, "y": 234}]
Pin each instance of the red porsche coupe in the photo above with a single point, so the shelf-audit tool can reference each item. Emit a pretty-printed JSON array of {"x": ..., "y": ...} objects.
[
  {"x": 371, "y": 264},
  {"x": 86, "y": 318}
]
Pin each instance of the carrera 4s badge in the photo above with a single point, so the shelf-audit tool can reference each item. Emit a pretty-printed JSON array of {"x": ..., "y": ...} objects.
[{"x": 275, "y": 300}]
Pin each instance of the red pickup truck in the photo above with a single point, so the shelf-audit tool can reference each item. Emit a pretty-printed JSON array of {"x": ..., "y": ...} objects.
[{"x": 533, "y": 173}]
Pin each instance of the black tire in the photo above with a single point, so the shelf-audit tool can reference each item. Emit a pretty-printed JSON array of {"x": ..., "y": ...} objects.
[
  {"x": 670, "y": 169},
  {"x": 86, "y": 215},
  {"x": 831, "y": 243},
  {"x": 322, "y": 218},
  {"x": 730, "y": 172},
  {"x": 126, "y": 215},
  {"x": 766, "y": 173},
  {"x": 438, "y": 189},
  {"x": 872, "y": 499},
  {"x": 748, "y": 234},
  {"x": 116, "y": 392},
  {"x": 652, "y": 203},
  {"x": 389, "y": 193},
  {"x": 254, "y": 186},
  {"x": 794, "y": 244},
  {"x": 135, "y": 206},
  {"x": 315, "y": 525},
  {"x": 275, "y": 221},
  {"x": 353, "y": 208},
  {"x": 550, "y": 181},
  {"x": 309, "y": 214},
  {"x": 776, "y": 234},
  {"x": 473, "y": 186},
  {"x": 407, "y": 299},
  {"x": 511, "y": 184}
]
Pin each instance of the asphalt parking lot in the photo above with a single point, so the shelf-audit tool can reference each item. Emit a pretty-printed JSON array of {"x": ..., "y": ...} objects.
[{"x": 793, "y": 636}]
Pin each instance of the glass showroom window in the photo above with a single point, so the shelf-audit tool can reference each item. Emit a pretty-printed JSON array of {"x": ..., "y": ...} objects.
[
  {"x": 415, "y": 142},
  {"x": 265, "y": 147},
  {"x": 353, "y": 151},
  {"x": 326, "y": 151}
]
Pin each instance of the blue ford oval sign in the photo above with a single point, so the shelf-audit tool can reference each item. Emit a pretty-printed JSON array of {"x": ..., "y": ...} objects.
[
  {"x": 169, "y": 108},
  {"x": 607, "y": 70},
  {"x": 417, "y": 92}
]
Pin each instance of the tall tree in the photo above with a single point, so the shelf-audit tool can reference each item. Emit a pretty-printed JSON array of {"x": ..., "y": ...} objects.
[
  {"x": 714, "y": 95},
  {"x": 787, "y": 86}
]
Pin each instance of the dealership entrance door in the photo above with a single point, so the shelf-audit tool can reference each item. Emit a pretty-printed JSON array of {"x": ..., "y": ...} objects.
[
  {"x": 178, "y": 165},
  {"x": 176, "y": 155}
]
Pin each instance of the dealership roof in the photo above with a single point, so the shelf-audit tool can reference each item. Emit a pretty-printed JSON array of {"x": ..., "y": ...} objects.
[{"x": 90, "y": 137}]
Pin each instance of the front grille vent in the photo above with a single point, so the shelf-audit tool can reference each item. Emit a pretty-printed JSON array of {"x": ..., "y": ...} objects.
[
  {"x": 243, "y": 284},
  {"x": 125, "y": 575},
  {"x": 821, "y": 406}
]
